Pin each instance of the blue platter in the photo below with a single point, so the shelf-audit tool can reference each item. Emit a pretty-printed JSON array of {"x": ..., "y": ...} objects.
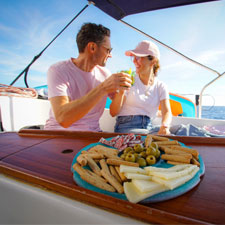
[{"x": 155, "y": 198}]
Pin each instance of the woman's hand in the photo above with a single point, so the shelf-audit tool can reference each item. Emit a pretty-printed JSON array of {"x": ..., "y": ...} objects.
[
  {"x": 164, "y": 130},
  {"x": 117, "y": 81}
]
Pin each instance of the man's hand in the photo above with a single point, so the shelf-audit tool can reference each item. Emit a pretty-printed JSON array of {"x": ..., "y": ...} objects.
[{"x": 117, "y": 81}]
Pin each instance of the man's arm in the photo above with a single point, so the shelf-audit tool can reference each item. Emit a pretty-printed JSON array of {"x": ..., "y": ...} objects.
[{"x": 67, "y": 112}]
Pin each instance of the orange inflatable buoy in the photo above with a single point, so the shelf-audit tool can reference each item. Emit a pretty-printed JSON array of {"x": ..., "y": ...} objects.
[{"x": 176, "y": 108}]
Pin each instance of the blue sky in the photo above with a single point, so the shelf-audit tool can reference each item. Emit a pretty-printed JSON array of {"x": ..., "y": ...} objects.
[{"x": 197, "y": 31}]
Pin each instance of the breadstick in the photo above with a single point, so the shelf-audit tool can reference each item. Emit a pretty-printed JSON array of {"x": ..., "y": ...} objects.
[
  {"x": 81, "y": 160},
  {"x": 114, "y": 173},
  {"x": 118, "y": 162},
  {"x": 102, "y": 149},
  {"x": 113, "y": 181},
  {"x": 195, "y": 162},
  {"x": 174, "y": 151},
  {"x": 159, "y": 138},
  {"x": 91, "y": 180},
  {"x": 122, "y": 176},
  {"x": 80, "y": 170},
  {"x": 94, "y": 155},
  {"x": 170, "y": 146},
  {"x": 194, "y": 152},
  {"x": 175, "y": 163},
  {"x": 92, "y": 164},
  {"x": 96, "y": 176},
  {"x": 148, "y": 141},
  {"x": 104, "y": 165},
  {"x": 174, "y": 142},
  {"x": 107, "y": 154},
  {"x": 97, "y": 160},
  {"x": 176, "y": 158},
  {"x": 94, "y": 180}
]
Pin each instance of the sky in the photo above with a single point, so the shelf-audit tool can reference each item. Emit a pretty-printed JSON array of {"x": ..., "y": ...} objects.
[{"x": 197, "y": 31}]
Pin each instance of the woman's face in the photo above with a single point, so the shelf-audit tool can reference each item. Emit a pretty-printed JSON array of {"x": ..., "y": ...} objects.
[{"x": 143, "y": 64}]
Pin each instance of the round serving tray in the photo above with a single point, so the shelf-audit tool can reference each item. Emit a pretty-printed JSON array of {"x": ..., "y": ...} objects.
[{"x": 166, "y": 195}]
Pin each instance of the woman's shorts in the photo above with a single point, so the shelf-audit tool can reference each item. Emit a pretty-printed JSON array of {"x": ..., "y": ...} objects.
[{"x": 133, "y": 124}]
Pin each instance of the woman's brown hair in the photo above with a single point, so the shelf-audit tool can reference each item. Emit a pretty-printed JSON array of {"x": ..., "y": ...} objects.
[{"x": 156, "y": 65}]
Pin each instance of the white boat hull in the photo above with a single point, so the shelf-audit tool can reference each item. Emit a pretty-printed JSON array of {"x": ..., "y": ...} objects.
[{"x": 25, "y": 204}]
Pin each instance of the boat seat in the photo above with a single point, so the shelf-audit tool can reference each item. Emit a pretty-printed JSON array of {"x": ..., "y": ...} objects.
[
  {"x": 18, "y": 112},
  {"x": 107, "y": 122}
]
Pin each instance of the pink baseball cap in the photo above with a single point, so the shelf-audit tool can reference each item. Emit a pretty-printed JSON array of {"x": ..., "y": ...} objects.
[{"x": 143, "y": 49}]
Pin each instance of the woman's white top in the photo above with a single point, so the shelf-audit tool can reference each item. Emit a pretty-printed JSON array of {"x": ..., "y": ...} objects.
[{"x": 144, "y": 99}]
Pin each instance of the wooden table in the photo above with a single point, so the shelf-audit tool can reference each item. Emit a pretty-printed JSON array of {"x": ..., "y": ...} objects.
[{"x": 44, "y": 158}]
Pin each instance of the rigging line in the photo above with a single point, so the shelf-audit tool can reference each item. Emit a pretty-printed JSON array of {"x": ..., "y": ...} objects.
[
  {"x": 37, "y": 56},
  {"x": 161, "y": 43}
]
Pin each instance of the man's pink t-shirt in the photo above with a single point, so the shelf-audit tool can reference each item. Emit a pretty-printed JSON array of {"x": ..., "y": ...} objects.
[{"x": 66, "y": 79}]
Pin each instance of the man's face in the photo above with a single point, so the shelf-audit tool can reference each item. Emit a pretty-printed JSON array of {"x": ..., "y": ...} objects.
[{"x": 103, "y": 52}]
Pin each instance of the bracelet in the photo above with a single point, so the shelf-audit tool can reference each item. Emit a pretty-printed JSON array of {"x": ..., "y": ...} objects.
[{"x": 165, "y": 125}]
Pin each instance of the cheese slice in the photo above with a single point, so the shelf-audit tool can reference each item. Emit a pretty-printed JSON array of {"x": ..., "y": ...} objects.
[
  {"x": 172, "y": 175},
  {"x": 137, "y": 176},
  {"x": 134, "y": 196},
  {"x": 176, "y": 182},
  {"x": 148, "y": 186},
  {"x": 175, "y": 168},
  {"x": 131, "y": 169}
]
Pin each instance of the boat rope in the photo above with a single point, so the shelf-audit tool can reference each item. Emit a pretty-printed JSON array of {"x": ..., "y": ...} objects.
[
  {"x": 25, "y": 71},
  {"x": 8, "y": 90}
]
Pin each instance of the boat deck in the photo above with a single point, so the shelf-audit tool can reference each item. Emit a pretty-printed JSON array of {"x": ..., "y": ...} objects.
[{"x": 43, "y": 159}]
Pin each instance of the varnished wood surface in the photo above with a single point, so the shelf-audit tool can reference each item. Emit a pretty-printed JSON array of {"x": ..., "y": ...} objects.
[
  {"x": 11, "y": 143},
  {"x": 44, "y": 158}
]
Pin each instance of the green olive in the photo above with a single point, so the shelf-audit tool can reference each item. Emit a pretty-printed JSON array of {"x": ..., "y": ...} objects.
[
  {"x": 151, "y": 151},
  {"x": 143, "y": 154},
  {"x": 157, "y": 153},
  {"x": 127, "y": 149},
  {"x": 154, "y": 145},
  {"x": 141, "y": 161},
  {"x": 136, "y": 156},
  {"x": 132, "y": 152},
  {"x": 150, "y": 159},
  {"x": 122, "y": 156},
  {"x": 154, "y": 151},
  {"x": 130, "y": 157},
  {"x": 138, "y": 148}
]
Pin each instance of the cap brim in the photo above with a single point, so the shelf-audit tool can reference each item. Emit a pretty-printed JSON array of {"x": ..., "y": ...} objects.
[{"x": 132, "y": 53}]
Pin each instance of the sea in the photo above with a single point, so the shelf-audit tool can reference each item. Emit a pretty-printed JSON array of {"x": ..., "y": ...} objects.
[{"x": 213, "y": 112}]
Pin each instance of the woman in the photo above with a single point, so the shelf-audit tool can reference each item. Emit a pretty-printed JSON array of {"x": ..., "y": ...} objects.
[{"x": 136, "y": 107}]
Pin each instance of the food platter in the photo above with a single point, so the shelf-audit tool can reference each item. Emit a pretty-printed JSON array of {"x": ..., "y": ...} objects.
[{"x": 166, "y": 195}]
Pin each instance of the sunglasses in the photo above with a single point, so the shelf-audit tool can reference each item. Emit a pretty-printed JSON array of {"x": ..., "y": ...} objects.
[
  {"x": 134, "y": 57},
  {"x": 109, "y": 50},
  {"x": 137, "y": 57}
]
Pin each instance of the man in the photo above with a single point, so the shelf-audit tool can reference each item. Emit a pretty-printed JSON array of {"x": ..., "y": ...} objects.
[{"x": 78, "y": 87}]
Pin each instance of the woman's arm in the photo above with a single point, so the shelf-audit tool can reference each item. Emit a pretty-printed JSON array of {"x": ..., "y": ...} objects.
[
  {"x": 117, "y": 103},
  {"x": 166, "y": 117}
]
